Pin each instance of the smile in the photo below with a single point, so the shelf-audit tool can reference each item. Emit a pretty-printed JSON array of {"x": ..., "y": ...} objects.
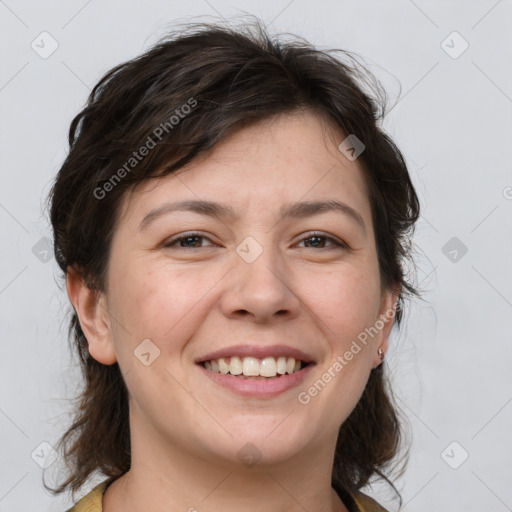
[
  {"x": 255, "y": 385},
  {"x": 267, "y": 367}
]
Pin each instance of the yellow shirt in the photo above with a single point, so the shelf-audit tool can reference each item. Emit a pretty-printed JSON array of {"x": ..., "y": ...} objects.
[{"x": 91, "y": 502}]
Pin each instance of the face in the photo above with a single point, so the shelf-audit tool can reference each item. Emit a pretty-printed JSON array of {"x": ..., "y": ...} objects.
[{"x": 253, "y": 282}]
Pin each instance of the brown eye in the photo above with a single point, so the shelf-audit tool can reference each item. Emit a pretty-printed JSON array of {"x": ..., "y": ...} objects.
[
  {"x": 188, "y": 241},
  {"x": 318, "y": 241}
]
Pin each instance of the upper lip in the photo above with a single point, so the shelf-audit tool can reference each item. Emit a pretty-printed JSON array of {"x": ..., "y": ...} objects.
[{"x": 258, "y": 352}]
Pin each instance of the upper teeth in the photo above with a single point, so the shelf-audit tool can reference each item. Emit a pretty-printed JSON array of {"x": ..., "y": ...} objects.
[{"x": 251, "y": 366}]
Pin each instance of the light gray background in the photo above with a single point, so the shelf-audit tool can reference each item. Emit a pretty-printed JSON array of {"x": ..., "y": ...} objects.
[{"x": 453, "y": 121}]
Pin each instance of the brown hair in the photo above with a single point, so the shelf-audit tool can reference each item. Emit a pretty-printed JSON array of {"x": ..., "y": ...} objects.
[{"x": 228, "y": 77}]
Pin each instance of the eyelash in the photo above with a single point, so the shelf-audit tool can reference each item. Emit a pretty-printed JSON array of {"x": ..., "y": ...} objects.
[{"x": 172, "y": 242}]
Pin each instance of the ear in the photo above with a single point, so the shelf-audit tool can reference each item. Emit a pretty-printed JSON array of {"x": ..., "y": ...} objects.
[
  {"x": 90, "y": 306},
  {"x": 385, "y": 319}
]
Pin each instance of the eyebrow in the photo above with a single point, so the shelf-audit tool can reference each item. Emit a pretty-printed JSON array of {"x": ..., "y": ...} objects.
[{"x": 223, "y": 210}]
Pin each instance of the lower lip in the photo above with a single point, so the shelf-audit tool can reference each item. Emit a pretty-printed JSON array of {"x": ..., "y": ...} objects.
[{"x": 258, "y": 388}]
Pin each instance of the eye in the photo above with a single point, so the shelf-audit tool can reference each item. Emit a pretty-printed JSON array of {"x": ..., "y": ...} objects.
[
  {"x": 187, "y": 241},
  {"x": 317, "y": 241}
]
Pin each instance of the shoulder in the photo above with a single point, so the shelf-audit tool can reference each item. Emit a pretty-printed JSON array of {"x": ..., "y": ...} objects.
[
  {"x": 91, "y": 502},
  {"x": 367, "y": 504},
  {"x": 356, "y": 501}
]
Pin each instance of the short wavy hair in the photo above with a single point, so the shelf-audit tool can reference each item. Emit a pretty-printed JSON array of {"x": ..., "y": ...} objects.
[{"x": 236, "y": 76}]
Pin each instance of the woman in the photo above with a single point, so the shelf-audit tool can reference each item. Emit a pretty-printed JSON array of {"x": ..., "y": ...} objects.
[{"x": 232, "y": 225}]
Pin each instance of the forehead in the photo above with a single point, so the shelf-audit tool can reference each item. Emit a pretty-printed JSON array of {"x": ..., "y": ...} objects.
[{"x": 285, "y": 159}]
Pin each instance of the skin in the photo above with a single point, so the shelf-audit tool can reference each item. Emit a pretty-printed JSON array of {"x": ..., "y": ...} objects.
[{"x": 185, "y": 430}]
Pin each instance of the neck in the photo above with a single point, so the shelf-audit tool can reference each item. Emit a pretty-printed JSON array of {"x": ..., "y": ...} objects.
[{"x": 172, "y": 479}]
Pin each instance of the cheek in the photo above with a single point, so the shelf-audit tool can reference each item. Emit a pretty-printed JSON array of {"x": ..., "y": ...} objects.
[
  {"x": 346, "y": 305},
  {"x": 160, "y": 304},
  {"x": 346, "y": 302}
]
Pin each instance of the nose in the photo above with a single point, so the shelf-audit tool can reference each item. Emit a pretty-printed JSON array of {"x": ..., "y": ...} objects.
[{"x": 261, "y": 291}]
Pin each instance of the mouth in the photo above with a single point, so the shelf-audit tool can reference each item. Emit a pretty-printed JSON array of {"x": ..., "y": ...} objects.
[
  {"x": 270, "y": 367},
  {"x": 256, "y": 386},
  {"x": 254, "y": 371}
]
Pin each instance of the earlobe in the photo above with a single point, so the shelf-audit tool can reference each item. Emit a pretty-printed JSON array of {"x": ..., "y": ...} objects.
[{"x": 90, "y": 306}]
